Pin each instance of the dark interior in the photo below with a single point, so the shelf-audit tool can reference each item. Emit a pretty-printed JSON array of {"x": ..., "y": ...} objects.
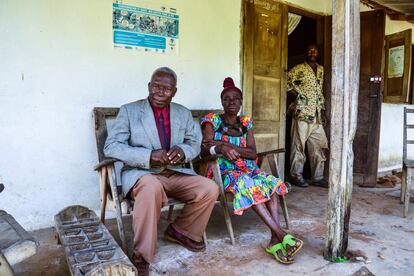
[{"x": 303, "y": 35}]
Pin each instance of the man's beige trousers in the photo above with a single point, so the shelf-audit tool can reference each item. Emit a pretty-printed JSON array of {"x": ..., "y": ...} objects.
[
  {"x": 150, "y": 194},
  {"x": 313, "y": 136}
]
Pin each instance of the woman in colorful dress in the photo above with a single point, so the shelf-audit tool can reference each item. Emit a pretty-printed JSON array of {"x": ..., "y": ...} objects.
[{"x": 232, "y": 136}]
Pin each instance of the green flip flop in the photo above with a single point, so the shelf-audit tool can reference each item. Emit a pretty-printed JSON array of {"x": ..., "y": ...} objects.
[
  {"x": 291, "y": 241},
  {"x": 274, "y": 249}
]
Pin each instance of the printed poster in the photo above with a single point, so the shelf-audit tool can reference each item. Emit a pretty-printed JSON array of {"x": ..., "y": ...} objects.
[
  {"x": 396, "y": 62},
  {"x": 145, "y": 26}
]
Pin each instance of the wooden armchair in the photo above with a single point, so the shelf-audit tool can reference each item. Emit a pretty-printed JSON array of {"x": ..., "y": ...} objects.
[
  {"x": 110, "y": 177},
  {"x": 110, "y": 182},
  {"x": 271, "y": 157},
  {"x": 408, "y": 164}
]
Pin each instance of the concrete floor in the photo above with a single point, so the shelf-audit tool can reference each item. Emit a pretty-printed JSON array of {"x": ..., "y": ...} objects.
[{"x": 383, "y": 240}]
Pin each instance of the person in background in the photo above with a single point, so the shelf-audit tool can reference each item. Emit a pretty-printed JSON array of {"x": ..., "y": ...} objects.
[{"x": 305, "y": 82}]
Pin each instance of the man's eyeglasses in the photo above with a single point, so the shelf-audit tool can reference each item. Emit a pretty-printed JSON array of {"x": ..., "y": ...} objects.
[{"x": 168, "y": 90}]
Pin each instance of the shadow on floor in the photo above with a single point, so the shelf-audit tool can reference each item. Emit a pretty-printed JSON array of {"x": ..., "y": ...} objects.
[{"x": 377, "y": 230}]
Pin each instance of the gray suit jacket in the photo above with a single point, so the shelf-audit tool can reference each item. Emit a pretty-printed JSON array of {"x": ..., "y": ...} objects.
[{"x": 134, "y": 135}]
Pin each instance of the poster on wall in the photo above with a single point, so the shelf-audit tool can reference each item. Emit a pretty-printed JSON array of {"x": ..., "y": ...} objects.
[
  {"x": 145, "y": 26},
  {"x": 396, "y": 62}
]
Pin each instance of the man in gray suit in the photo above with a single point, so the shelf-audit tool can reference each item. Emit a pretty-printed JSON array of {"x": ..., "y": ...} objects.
[{"x": 154, "y": 138}]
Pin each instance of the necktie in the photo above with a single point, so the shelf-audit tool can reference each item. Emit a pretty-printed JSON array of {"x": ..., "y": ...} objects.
[{"x": 165, "y": 143}]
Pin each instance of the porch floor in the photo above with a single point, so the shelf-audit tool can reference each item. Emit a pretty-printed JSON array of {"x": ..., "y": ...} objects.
[{"x": 377, "y": 231}]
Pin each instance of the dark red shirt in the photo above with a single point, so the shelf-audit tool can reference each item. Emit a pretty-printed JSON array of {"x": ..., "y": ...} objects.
[{"x": 165, "y": 113}]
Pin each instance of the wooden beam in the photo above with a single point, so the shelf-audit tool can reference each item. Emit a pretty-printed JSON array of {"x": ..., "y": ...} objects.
[
  {"x": 393, "y": 14},
  {"x": 303, "y": 12},
  {"x": 344, "y": 108}
]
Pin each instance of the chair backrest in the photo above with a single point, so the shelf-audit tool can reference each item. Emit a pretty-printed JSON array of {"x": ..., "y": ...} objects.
[
  {"x": 406, "y": 159},
  {"x": 103, "y": 116}
]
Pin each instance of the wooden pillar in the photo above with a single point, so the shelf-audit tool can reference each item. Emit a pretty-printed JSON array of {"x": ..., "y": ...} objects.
[{"x": 344, "y": 109}]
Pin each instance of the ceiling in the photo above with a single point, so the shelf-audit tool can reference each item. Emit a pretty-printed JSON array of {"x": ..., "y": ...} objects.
[
  {"x": 396, "y": 9},
  {"x": 403, "y": 6}
]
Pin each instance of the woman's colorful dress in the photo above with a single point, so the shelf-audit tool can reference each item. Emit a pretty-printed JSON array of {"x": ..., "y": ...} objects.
[{"x": 249, "y": 184}]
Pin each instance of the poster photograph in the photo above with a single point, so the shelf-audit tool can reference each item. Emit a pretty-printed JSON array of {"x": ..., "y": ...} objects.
[
  {"x": 144, "y": 26},
  {"x": 396, "y": 62}
]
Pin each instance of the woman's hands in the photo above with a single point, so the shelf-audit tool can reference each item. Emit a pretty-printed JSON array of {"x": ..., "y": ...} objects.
[
  {"x": 227, "y": 150},
  {"x": 224, "y": 148}
]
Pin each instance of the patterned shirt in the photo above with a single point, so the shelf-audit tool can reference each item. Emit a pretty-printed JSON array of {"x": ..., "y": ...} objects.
[{"x": 310, "y": 100}]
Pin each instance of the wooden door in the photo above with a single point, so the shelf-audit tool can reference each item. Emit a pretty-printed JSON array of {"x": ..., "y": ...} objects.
[
  {"x": 397, "y": 67},
  {"x": 327, "y": 65},
  {"x": 366, "y": 142},
  {"x": 264, "y": 71}
]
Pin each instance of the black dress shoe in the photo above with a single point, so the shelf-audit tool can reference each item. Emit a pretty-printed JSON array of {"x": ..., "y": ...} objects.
[
  {"x": 299, "y": 182},
  {"x": 321, "y": 183}
]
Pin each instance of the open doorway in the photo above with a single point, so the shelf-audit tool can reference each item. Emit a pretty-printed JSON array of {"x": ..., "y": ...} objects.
[{"x": 307, "y": 31}]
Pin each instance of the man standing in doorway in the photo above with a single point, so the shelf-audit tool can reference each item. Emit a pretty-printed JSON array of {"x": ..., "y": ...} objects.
[{"x": 305, "y": 82}]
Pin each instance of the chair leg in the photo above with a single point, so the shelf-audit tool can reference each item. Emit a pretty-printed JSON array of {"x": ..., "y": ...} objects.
[
  {"x": 403, "y": 184},
  {"x": 170, "y": 213},
  {"x": 205, "y": 237},
  {"x": 115, "y": 196},
  {"x": 407, "y": 191},
  {"x": 223, "y": 200},
  {"x": 104, "y": 192},
  {"x": 5, "y": 267},
  {"x": 227, "y": 218},
  {"x": 283, "y": 205},
  {"x": 272, "y": 159}
]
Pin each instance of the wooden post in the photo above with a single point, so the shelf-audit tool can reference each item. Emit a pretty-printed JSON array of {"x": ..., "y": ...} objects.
[{"x": 344, "y": 109}]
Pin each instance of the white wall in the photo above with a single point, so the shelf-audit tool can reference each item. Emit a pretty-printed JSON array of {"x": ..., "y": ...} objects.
[{"x": 57, "y": 62}]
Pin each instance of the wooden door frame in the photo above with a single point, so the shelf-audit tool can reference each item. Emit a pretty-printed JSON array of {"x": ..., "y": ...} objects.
[
  {"x": 320, "y": 33},
  {"x": 243, "y": 81},
  {"x": 320, "y": 26},
  {"x": 321, "y": 36}
]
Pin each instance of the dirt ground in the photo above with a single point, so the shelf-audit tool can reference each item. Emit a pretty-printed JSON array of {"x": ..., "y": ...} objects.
[{"x": 381, "y": 241}]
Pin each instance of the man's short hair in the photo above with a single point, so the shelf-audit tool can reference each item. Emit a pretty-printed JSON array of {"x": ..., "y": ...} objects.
[
  {"x": 311, "y": 45},
  {"x": 165, "y": 70}
]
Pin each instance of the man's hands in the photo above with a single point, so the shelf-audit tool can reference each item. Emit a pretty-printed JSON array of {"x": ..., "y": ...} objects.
[
  {"x": 175, "y": 155},
  {"x": 159, "y": 157},
  {"x": 163, "y": 158}
]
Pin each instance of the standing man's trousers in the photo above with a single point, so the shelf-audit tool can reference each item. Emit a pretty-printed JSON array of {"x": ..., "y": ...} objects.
[
  {"x": 313, "y": 136},
  {"x": 150, "y": 194}
]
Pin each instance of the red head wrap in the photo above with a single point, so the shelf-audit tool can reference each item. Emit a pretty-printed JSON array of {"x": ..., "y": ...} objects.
[{"x": 228, "y": 84}]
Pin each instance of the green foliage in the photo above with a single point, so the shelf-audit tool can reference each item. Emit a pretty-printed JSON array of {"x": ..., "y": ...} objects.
[{"x": 340, "y": 260}]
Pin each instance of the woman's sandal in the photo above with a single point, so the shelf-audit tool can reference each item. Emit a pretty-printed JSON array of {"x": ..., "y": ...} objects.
[
  {"x": 291, "y": 241},
  {"x": 274, "y": 249}
]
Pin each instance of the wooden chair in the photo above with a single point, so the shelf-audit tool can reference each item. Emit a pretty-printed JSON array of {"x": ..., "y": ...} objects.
[
  {"x": 110, "y": 178},
  {"x": 110, "y": 184},
  {"x": 408, "y": 165},
  {"x": 271, "y": 156}
]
